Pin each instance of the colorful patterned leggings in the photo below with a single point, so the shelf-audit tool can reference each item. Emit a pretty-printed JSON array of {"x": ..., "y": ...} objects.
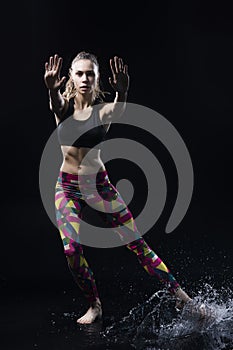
[{"x": 71, "y": 194}]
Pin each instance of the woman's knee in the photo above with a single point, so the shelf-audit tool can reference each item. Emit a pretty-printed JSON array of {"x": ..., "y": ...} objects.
[
  {"x": 136, "y": 244},
  {"x": 72, "y": 248}
]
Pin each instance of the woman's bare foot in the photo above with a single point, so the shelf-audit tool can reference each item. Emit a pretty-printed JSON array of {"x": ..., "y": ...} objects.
[
  {"x": 94, "y": 312},
  {"x": 191, "y": 308},
  {"x": 182, "y": 298}
]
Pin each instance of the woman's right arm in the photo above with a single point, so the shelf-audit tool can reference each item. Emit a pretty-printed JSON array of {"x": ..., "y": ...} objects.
[{"x": 54, "y": 83}]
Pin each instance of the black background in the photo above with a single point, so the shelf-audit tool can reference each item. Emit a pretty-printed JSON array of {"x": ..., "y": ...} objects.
[{"x": 180, "y": 64}]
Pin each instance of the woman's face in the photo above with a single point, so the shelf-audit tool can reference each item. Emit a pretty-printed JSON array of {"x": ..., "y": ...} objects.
[{"x": 85, "y": 76}]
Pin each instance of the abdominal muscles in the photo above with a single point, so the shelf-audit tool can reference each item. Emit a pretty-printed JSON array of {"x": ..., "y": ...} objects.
[{"x": 81, "y": 160}]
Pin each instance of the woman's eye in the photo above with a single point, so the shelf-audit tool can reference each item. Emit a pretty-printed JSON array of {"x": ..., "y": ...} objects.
[{"x": 88, "y": 74}]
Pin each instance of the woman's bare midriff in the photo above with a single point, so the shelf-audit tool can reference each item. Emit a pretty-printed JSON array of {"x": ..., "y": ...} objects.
[{"x": 81, "y": 161}]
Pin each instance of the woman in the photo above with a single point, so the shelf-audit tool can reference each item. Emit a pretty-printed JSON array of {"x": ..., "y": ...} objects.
[{"x": 81, "y": 159}]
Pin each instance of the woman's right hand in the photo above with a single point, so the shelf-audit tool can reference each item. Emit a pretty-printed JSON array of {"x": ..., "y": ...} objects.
[{"x": 52, "y": 73}]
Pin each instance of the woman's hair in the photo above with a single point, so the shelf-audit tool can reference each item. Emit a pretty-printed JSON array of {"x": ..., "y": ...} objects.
[{"x": 70, "y": 90}]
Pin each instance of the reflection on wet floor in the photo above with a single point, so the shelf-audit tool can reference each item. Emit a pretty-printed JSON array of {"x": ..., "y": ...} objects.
[{"x": 40, "y": 321}]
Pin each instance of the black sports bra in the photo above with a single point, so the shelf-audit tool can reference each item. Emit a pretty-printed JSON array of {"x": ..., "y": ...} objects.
[{"x": 81, "y": 133}]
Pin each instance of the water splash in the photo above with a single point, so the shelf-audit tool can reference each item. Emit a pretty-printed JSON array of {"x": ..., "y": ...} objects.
[{"x": 157, "y": 325}]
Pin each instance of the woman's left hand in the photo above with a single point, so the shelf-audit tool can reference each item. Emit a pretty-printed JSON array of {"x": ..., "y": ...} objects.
[{"x": 120, "y": 77}]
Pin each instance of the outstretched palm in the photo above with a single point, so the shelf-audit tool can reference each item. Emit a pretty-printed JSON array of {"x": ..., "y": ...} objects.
[
  {"x": 120, "y": 77},
  {"x": 52, "y": 73}
]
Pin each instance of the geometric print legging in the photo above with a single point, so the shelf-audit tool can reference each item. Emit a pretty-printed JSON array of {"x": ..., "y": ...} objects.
[{"x": 72, "y": 193}]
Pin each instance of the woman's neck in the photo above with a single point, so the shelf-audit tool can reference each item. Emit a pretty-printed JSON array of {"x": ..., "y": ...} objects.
[{"x": 81, "y": 102}]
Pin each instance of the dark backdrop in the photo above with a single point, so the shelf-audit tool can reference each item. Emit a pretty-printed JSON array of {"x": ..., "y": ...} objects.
[{"x": 180, "y": 64}]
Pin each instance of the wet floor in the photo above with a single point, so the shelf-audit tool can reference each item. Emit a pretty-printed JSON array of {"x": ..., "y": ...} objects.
[{"x": 46, "y": 319}]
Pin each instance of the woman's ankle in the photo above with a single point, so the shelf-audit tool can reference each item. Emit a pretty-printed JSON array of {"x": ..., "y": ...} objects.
[
  {"x": 95, "y": 302},
  {"x": 182, "y": 296}
]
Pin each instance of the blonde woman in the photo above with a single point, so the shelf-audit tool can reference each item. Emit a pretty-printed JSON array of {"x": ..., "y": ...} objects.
[{"x": 82, "y": 160}]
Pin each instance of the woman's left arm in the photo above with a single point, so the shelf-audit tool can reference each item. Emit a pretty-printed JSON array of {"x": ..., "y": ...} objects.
[{"x": 120, "y": 84}]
